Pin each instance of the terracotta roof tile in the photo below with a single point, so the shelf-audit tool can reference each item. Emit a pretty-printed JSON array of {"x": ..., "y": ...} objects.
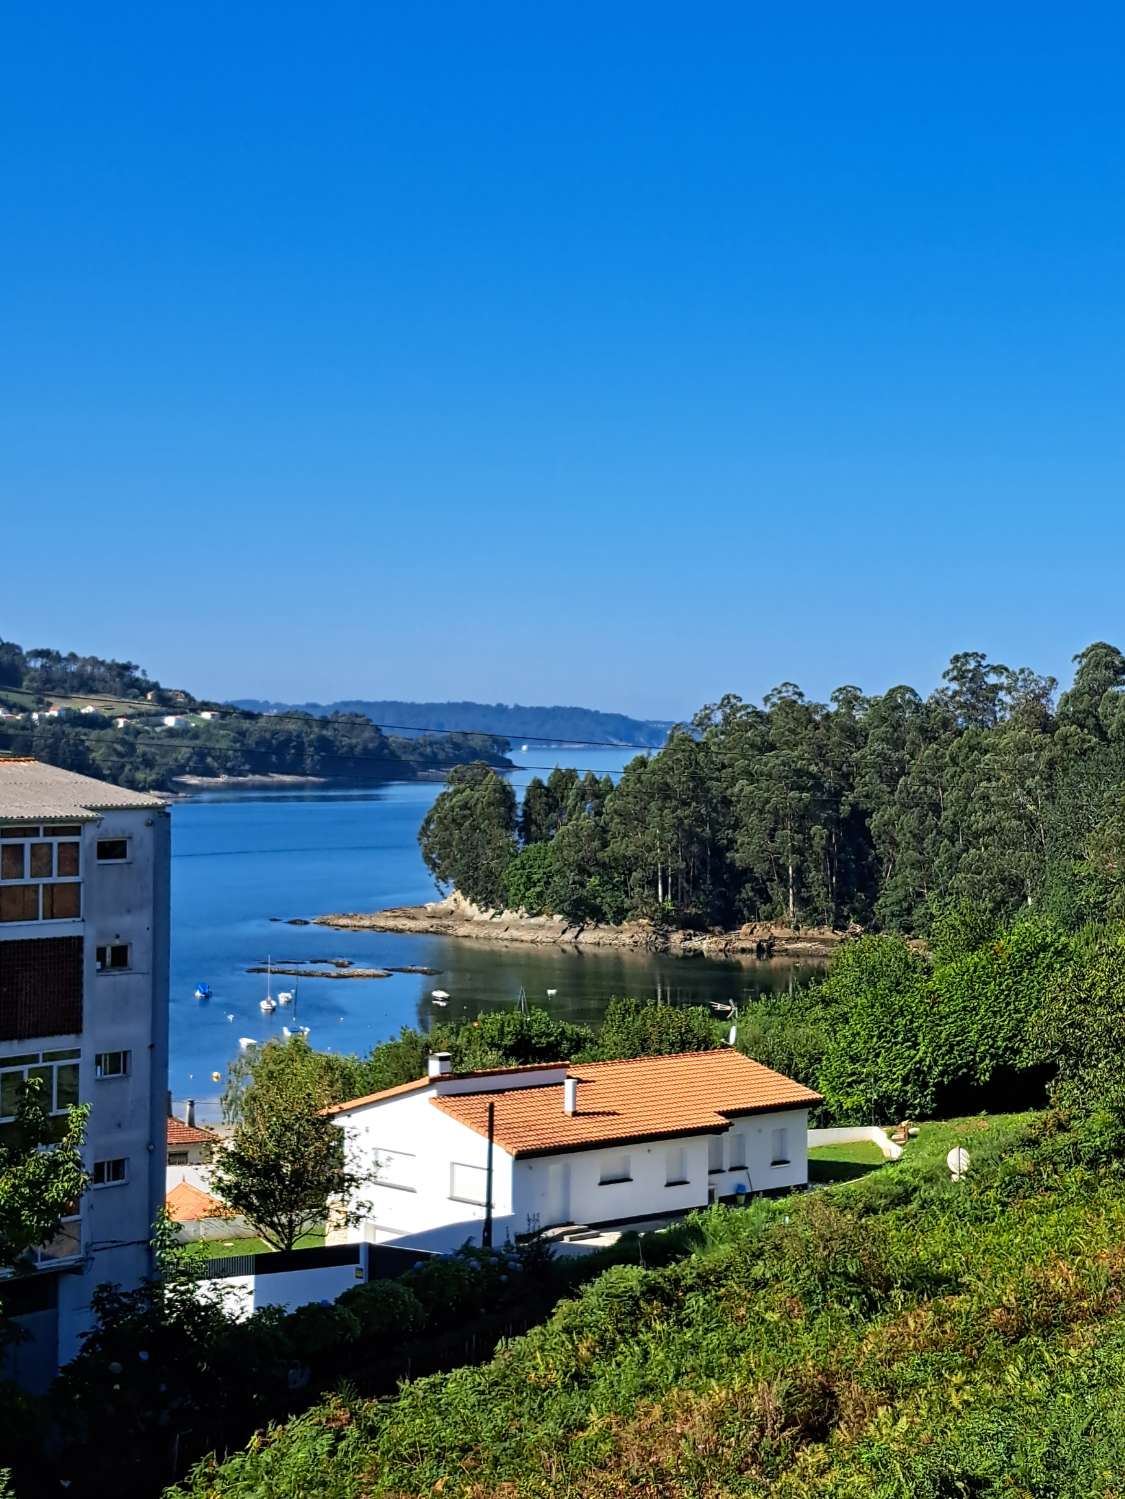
[
  {"x": 641, "y": 1099},
  {"x": 188, "y": 1204},
  {"x": 180, "y": 1133},
  {"x": 424, "y": 1082}
]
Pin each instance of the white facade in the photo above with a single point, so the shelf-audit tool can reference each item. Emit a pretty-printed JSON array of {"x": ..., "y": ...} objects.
[
  {"x": 430, "y": 1170},
  {"x": 100, "y": 1035}
]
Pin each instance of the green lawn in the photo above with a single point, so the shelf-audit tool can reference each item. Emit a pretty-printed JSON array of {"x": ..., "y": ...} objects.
[
  {"x": 214, "y": 1249},
  {"x": 835, "y": 1163}
]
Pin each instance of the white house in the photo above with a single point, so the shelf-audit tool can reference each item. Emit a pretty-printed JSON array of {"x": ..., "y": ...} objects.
[
  {"x": 174, "y": 721},
  {"x": 84, "y": 874},
  {"x": 592, "y": 1144}
]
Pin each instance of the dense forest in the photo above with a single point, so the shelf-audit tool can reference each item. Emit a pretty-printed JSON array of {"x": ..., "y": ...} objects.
[
  {"x": 510, "y": 720},
  {"x": 878, "y": 810},
  {"x": 114, "y": 730}
]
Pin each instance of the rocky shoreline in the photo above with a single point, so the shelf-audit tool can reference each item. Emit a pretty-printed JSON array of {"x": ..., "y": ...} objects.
[{"x": 456, "y": 917}]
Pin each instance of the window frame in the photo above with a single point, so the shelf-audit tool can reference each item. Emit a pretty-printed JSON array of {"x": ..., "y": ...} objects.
[
  {"x": 102, "y": 1076},
  {"x": 716, "y": 1144},
  {"x": 397, "y": 1156},
  {"x": 118, "y": 1181},
  {"x": 27, "y": 1064},
  {"x": 681, "y": 1155},
  {"x": 108, "y": 948},
  {"x": 126, "y": 857},
  {"x": 29, "y": 839},
  {"x": 455, "y": 1196},
  {"x": 779, "y": 1139},
  {"x": 626, "y": 1165}
]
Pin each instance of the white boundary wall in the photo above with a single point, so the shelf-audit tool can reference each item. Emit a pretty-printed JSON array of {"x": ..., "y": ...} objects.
[{"x": 853, "y": 1135}]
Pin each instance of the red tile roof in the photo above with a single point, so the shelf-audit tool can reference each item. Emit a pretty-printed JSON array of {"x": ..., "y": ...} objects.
[
  {"x": 188, "y": 1204},
  {"x": 180, "y": 1133},
  {"x": 424, "y": 1082},
  {"x": 644, "y": 1098}
]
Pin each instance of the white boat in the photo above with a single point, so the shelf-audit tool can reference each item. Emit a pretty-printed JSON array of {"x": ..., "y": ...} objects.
[
  {"x": 269, "y": 1004},
  {"x": 246, "y": 1042},
  {"x": 298, "y": 1030},
  {"x": 285, "y": 996},
  {"x": 523, "y": 749},
  {"x": 551, "y": 993},
  {"x": 439, "y": 996}
]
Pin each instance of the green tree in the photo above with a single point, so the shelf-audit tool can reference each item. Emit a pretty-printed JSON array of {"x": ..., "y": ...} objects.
[
  {"x": 284, "y": 1163},
  {"x": 41, "y": 1172},
  {"x": 468, "y": 835}
]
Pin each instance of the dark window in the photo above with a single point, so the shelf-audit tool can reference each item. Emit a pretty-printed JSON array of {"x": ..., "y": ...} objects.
[
  {"x": 112, "y": 1064},
  {"x": 67, "y": 859},
  {"x": 42, "y": 867},
  {"x": 114, "y": 955},
  {"x": 111, "y": 1173},
  {"x": 113, "y": 850},
  {"x": 28, "y": 832},
  {"x": 60, "y": 902},
  {"x": 40, "y": 987},
  {"x": 178, "y": 1157},
  {"x": 71, "y": 830},
  {"x": 11, "y": 862},
  {"x": 19, "y": 902}
]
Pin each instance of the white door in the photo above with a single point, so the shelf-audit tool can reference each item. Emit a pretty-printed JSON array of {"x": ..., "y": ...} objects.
[{"x": 556, "y": 1198}]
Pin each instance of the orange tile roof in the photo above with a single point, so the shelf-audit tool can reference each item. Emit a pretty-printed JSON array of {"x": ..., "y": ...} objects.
[
  {"x": 188, "y": 1204},
  {"x": 424, "y": 1082},
  {"x": 180, "y": 1133},
  {"x": 644, "y": 1098}
]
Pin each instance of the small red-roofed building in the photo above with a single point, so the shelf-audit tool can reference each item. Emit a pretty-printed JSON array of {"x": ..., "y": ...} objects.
[{"x": 571, "y": 1147}]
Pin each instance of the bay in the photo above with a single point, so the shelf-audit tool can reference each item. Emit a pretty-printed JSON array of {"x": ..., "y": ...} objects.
[{"x": 244, "y": 861}]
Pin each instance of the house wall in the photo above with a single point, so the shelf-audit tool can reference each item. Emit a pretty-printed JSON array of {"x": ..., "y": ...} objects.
[
  {"x": 426, "y": 1144},
  {"x": 586, "y": 1199},
  {"x": 538, "y": 1192}
]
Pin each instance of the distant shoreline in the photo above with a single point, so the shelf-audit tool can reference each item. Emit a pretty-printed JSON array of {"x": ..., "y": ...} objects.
[
  {"x": 213, "y": 783},
  {"x": 456, "y": 917}
]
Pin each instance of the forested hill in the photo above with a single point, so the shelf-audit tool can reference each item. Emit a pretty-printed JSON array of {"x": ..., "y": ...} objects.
[
  {"x": 878, "y": 809},
  {"x": 511, "y": 720},
  {"x": 109, "y": 719}
]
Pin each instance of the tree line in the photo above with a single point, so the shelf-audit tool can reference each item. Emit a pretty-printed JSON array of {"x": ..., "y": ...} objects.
[{"x": 880, "y": 810}]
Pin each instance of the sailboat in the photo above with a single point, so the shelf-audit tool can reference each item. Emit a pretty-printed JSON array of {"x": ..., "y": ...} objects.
[{"x": 269, "y": 1004}]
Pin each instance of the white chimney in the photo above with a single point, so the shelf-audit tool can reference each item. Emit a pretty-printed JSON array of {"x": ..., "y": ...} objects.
[
  {"x": 189, "y": 1111},
  {"x": 440, "y": 1064},
  {"x": 570, "y": 1095}
]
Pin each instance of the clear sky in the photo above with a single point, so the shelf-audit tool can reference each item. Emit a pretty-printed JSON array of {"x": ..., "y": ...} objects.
[{"x": 620, "y": 354}]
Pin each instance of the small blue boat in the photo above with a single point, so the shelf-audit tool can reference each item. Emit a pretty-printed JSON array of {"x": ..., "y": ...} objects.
[{"x": 203, "y": 991}]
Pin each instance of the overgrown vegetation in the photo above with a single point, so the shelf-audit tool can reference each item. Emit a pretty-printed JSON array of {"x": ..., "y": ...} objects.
[
  {"x": 878, "y": 810},
  {"x": 900, "y": 1335}
]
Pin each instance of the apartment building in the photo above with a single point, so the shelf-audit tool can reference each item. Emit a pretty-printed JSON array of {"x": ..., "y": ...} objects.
[{"x": 84, "y": 884}]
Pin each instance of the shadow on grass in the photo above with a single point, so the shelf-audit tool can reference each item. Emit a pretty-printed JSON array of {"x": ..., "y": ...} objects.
[{"x": 839, "y": 1171}]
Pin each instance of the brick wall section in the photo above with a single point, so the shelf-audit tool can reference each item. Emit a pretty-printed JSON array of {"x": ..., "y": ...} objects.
[{"x": 40, "y": 988}]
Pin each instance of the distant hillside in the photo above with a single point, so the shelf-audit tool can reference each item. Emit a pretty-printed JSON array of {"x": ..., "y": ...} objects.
[
  {"x": 110, "y": 720},
  {"x": 514, "y": 721}
]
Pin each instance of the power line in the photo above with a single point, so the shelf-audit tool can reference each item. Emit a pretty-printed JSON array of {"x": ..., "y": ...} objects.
[
  {"x": 231, "y": 713},
  {"x": 175, "y": 748}
]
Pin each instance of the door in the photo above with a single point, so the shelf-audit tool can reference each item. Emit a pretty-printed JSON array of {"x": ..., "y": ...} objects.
[{"x": 556, "y": 1195}]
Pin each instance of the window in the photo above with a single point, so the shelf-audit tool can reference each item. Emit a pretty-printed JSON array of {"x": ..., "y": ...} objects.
[
  {"x": 113, "y": 850},
  {"x": 112, "y": 1063},
  {"x": 395, "y": 1168},
  {"x": 779, "y": 1147},
  {"x": 30, "y": 857},
  {"x": 112, "y": 956},
  {"x": 178, "y": 1157},
  {"x": 112, "y": 1173},
  {"x": 61, "y": 902},
  {"x": 468, "y": 1183},
  {"x": 738, "y": 1161},
  {"x": 58, "y": 1071},
  {"x": 614, "y": 1169},
  {"x": 675, "y": 1168},
  {"x": 715, "y": 1154},
  {"x": 40, "y": 987}
]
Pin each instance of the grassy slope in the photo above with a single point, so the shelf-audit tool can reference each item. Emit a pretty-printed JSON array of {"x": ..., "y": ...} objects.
[{"x": 897, "y": 1335}]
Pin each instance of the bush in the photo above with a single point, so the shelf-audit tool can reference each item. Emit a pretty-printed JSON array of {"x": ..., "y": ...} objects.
[{"x": 382, "y": 1308}]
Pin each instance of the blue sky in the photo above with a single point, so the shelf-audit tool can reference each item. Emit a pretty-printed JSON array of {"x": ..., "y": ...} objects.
[{"x": 623, "y": 355}]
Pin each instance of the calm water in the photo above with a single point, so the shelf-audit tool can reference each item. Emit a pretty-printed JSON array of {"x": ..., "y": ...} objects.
[{"x": 242, "y": 857}]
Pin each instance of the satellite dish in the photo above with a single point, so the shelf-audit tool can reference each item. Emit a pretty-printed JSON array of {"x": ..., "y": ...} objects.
[{"x": 958, "y": 1161}]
